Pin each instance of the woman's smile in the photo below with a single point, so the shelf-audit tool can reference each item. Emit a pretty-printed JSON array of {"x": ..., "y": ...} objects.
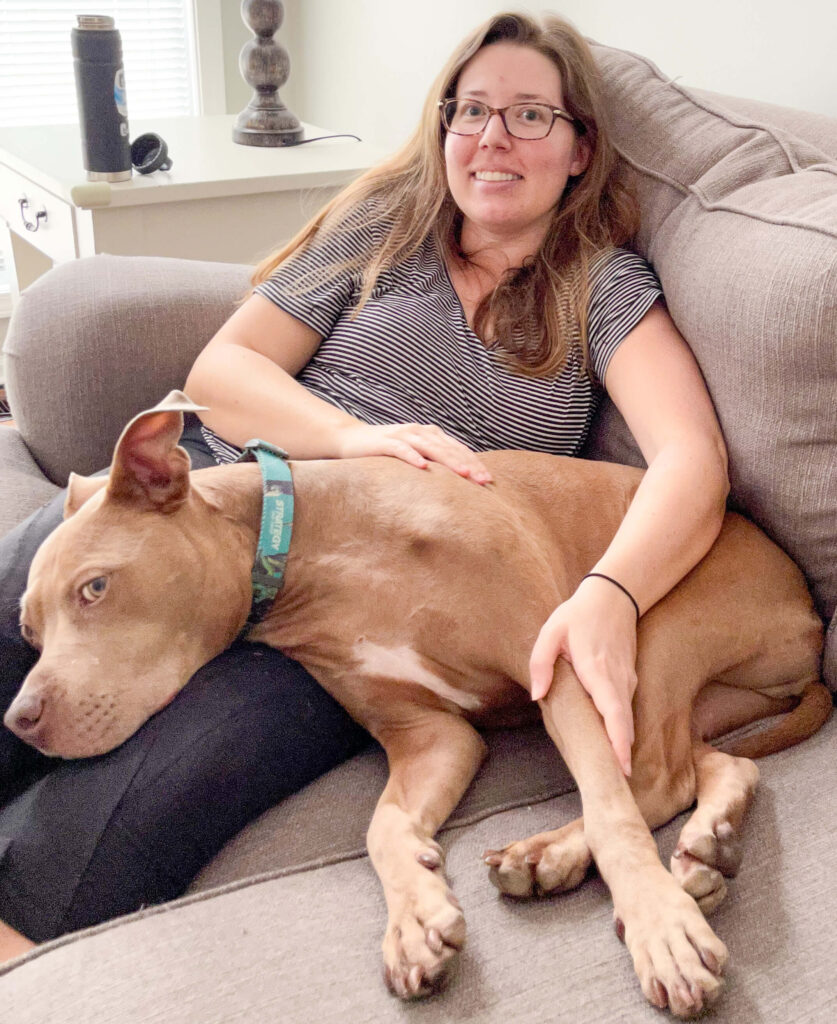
[{"x": 495, "y": 176}]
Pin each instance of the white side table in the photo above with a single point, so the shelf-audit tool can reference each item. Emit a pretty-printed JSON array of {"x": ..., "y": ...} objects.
[{"x": 220, "y": 201}]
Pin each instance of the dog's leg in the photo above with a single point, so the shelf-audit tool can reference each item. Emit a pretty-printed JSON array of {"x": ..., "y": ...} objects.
[
  {"x": 432, "y": 761},
  {"x": 709, "y": 848},
  {"x": 677, "y": 956},
  {"x": 663, "y": 784},
  {"x": 559, "y": 860}
]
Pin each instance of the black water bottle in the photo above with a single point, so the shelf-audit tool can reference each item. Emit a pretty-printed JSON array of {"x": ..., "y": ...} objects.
[{"x": 100, "y": 87}]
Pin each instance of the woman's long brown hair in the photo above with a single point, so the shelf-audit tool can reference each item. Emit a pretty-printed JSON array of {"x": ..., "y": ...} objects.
[{"x": 537, "y": 313}]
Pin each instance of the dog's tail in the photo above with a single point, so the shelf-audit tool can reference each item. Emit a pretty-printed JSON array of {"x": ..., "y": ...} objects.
[{"x": 812, "y": 711}]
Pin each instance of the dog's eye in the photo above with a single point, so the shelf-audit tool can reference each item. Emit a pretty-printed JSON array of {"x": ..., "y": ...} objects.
[{"x": 94, "y": 589}]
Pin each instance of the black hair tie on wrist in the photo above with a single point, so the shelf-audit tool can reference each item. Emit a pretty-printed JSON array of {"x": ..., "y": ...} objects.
[
  {"x": 616, "y": 583},
  {"x": 150, "y": 153}
]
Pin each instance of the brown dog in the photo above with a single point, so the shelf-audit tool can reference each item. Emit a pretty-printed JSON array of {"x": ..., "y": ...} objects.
[{"x": 415, "y": 599}]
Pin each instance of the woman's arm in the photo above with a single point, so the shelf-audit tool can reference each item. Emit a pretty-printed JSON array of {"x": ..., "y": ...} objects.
[
  {"x": 677, "y": 512},
  {"x": 246, "y": 378},
  {"x": 672, "y": 521}
]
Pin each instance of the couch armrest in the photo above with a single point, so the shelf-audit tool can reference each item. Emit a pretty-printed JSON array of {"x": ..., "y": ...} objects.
[
  {"x": 95, "y": 341},
  {"x": 25, "y": 488}
]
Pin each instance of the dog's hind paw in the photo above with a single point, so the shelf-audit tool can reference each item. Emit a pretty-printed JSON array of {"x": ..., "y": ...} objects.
[
  {"x": 703, "y": 883},
  {"x": 547, "y": 863},
  {"x": 717, "y": 845},
  {"x": 701, "y": 859}
]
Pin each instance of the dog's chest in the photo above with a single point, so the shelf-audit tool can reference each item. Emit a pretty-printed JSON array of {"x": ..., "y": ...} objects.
[{"x": 401, "y": 664}]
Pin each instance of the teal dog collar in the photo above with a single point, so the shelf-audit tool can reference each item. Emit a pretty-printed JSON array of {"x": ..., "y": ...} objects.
[{"x": 268, "y": 572}]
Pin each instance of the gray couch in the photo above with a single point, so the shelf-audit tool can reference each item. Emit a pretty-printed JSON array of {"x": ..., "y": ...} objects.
[{"x": 740, "y": 221}]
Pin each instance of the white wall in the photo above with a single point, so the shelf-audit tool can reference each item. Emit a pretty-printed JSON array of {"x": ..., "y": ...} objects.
[{"x": 365, "y": 65}]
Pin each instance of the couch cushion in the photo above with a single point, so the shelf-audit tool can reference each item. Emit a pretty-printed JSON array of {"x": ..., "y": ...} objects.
[
  {"x": 522, "y": 767},
  {"x": 740, "y": 223},
  {"x": 24, "y": 488},
  {"x": 304, "y": 945}
]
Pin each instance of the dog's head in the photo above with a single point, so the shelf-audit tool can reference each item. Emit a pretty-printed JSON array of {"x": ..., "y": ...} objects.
[{"x": 127, "y": 598}]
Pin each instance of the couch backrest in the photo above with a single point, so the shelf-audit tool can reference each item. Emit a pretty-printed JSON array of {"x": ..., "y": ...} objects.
[{"x": 739, "y": 219}]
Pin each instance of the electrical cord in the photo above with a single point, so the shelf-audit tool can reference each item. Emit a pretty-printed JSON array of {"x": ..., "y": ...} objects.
[{"x": 321, "y": 138}]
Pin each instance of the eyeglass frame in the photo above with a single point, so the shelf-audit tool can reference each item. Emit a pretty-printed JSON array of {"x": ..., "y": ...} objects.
[{"x": 557, "y": 114}]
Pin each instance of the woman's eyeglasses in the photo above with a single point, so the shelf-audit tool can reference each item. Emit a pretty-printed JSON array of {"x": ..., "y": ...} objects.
[{"x": 522, "y": 120}]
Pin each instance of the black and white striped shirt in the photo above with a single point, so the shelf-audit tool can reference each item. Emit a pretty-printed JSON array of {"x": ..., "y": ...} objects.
[{"x": 409, "y": 355}]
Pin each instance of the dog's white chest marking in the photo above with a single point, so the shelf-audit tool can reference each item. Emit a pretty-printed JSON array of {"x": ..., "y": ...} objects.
[{"x": 403, "y": 664}]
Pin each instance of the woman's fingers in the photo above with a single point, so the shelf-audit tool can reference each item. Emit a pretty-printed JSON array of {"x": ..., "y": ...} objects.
[
  {"x": 606, "y": 669},
  {"x": 414, "y": 443},
  {"x": 612, "y": 703},
  {"x": 437, "y": 446},
  {"x": 618, "y": 717},
  {"x": 405, "y": 451},
  {"x": 545, "y": 653}
]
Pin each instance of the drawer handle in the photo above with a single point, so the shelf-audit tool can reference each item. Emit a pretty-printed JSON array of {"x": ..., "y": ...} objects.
[{"x": 31, "y": 225}]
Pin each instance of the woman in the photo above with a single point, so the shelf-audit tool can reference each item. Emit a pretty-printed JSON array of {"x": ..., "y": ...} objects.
[{"x": 468, "y": 294}]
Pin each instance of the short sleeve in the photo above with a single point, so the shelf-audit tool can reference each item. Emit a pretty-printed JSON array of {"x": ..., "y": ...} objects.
[
  {"x": 623, "y": 287},
  {"x": 317, "y": 283}
]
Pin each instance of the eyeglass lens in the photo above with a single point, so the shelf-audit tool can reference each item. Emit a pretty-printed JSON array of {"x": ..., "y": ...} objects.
[{"x": 523, "y": 120}]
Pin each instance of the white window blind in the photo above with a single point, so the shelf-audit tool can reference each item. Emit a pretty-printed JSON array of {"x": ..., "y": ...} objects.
[
  {"x": 36, "y": 62},
  {"x": 37, "y": 83}
]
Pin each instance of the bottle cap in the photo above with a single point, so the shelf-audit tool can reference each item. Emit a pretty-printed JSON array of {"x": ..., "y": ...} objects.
[
  {"x": 149, "y": 152},
  {"x": 100, "y": 22}
]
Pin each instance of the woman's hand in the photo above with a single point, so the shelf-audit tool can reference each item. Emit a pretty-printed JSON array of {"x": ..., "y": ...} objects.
[
  {"x": 595, "y": 631},
  {"x": 415, "y": 443}
]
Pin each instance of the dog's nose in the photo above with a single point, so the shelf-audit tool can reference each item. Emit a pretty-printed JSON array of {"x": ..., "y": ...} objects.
[{"x": 24, "y": 714}]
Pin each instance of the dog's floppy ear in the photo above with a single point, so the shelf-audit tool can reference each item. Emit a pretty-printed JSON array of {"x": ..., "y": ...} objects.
[
  {"x": 79, "y": 489},
  {"x": 149, "y": 468}
]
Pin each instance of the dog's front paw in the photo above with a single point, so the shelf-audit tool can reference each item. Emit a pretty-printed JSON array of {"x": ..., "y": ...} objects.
[
  {"x": 547, "y": 863},
  {"x": 425, "y": 933},
  {"x": 678, "y": 958}
]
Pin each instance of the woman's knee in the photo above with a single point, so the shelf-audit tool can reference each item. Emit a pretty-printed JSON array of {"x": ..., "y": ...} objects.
[{"x": 250, "y": 728}]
